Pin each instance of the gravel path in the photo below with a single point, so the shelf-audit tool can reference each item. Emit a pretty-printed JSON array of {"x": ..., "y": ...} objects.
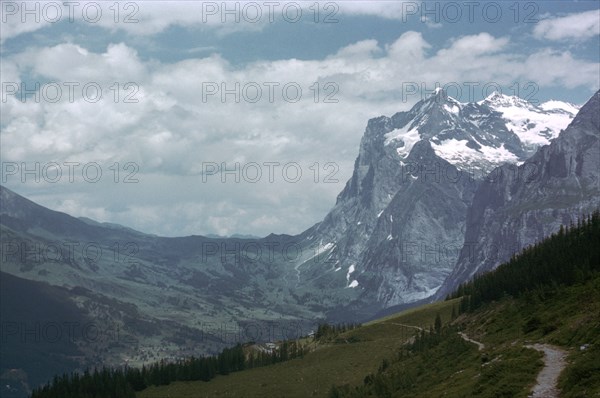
[
  {"x": 554, "y": 363},
  {"x": 407, "y": 326},
  {"x": 547, "y": 380},
  {"x": 466, "y": 338}
]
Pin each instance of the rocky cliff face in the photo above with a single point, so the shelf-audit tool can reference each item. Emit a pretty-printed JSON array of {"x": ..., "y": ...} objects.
[{"x": 517, "y": 206}]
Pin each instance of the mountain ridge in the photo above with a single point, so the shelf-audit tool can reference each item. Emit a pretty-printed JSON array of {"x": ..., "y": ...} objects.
[
  {"x": 558, "y": 184},
  {"x": 409, "y": 160}
]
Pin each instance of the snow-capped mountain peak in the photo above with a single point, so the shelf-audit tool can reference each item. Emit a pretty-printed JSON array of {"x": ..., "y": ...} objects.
[
  {"x": 560, "y": 106},
  {"x": 441, "y": 97},
  {"x": 534, "y": 125},
  {"x": 481, "y": 135},
  {"x": 499, "y": 100},
  {"x": 407, "y": 187},
  {"x": 437, "y": 107}
]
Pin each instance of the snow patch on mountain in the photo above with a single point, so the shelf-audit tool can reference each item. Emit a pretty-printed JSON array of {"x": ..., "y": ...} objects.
[
  {"x": 452, "y": 109},
  {"x": 561, "y": 106},
  {"x": 409, "y": 137},
  {"x": 535, "y": 126},
  {"x": 350, "y": 271},
  {"x": 498, "y": 100},
  {"x": 458, "y": 152},
  {"x": 316, "y": 254}
]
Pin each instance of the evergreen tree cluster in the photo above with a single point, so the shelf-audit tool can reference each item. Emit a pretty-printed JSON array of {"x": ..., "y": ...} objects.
[
  {"x": 100, "y": 383},
  {"x": 327, "y": 332},
  {"x": 568, "y": 257},
  {"x": 122, "y": 383}
]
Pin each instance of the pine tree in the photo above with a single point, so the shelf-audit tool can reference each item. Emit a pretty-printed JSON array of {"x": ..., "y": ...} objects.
[{"x": 438, "y": 323}]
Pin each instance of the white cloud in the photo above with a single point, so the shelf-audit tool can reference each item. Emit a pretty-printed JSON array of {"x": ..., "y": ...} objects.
[
  {"x": 383, "y": 9},
  {"x": 138, "y": 18},
  {"x": 149, "y": 17},
  {"x": 171, "y": 132},
  {"x": 578, "y": 26},
  {"x": 71, "y": 61},
  {"x": 482, "y": 43},
  {"x": 550, "y": 67},
  {"x": 409, "y": 47},
  {"x": 361, "y": 49}
]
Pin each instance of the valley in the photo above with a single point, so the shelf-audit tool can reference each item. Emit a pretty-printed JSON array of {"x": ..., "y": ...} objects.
[
  {"x": 390, "y": 241},
  {"x": 348, "y": 199}
]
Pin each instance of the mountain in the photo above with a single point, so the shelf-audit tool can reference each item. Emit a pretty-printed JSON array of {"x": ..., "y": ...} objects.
[
  {"x": 392, "y": 238},
  {"x": 515, "y": 207},
  {"x": 397, "y": 228}
]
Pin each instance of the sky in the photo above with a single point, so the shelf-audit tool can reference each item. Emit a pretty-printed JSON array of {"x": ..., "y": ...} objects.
[{"x": 191, "y": 118}]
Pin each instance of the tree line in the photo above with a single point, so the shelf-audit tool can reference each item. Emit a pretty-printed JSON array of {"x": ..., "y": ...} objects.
[
  {"x": 124, "y": 382},
  {"x": 328, "y": 332}
]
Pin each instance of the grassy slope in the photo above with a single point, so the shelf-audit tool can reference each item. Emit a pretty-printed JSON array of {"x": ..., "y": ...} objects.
[
  {"x": 328, "y": 364},
  {"x": 566, "y": 317}
]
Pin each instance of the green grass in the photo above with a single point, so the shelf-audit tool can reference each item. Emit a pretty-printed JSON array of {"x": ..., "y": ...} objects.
[
  {"x": 328, "y": 364},
  {"x": 423, "y": 316},
  {"x": 582, "y": 378},
  {"x": 312, "y": 375}
]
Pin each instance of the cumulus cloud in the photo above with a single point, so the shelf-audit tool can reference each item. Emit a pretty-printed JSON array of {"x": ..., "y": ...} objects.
[
  {"x": 137, "y": 18},
  {"x": 579, "y": 26},
  {"x": 382, "y": 9},
  {"x": 149, "y": 18},
  {"x": 180, "y": 125}
]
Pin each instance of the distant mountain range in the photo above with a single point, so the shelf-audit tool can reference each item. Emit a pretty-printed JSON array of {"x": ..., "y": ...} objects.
[{"x": 438, "y": 194}]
